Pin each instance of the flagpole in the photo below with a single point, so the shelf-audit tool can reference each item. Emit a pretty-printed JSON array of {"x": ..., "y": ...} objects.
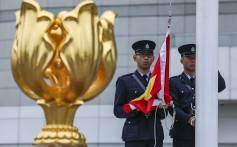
[
  {"x": 170, "y": 14},
  {"x": 206, "y": 71}
]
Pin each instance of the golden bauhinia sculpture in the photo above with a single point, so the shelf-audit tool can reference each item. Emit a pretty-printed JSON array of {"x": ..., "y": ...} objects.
[{"x": 63, "y": 62}]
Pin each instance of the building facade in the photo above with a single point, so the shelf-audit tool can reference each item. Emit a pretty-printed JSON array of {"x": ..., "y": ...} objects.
[{"x": 21, "y": 119}]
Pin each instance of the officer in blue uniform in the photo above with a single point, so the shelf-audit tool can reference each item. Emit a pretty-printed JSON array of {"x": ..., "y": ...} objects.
[
  {"x": 182, "y": 90},
  {"x": 138, "y": 130}
]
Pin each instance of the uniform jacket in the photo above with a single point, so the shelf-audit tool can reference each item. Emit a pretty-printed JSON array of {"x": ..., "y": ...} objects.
[
  {"x": 184, "y": 98},
  {"x": 137, "y": 126}
]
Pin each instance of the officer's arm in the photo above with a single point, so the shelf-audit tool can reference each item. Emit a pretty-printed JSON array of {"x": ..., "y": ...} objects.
[
  {"x": 181, "y": 115},
  {"x": 221, "y": 82},
  {"x": 120, "y": 100}
]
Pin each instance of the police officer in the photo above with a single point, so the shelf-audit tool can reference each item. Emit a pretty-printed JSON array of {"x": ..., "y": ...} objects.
[
  {"x": 182, "y": 90},
  {"x": 138, "y": 130}
]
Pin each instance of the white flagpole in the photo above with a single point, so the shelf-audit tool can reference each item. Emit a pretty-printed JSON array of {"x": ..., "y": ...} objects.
[{"x": 206, "y": 71}]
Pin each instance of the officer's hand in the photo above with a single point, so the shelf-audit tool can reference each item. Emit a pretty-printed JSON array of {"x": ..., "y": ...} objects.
[
  {"x": 137, "y": 109},
  {"x": 192, "y": 121},
  {"x": 163, "y": 106}
]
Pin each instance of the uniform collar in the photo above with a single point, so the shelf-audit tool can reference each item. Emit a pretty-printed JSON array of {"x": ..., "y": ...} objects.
[
  {"x": 148, "y": 74},
  {"x": 184, "y": 77},
  {"x": 189, "y": 76},
  {"x": 139, "y": 75}
]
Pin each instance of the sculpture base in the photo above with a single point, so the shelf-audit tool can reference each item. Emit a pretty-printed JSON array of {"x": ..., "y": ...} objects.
[{"x": 60, "y": 136}]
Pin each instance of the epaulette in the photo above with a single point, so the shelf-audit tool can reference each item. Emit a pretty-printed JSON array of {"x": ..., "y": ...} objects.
[
  {"x": 178, "y": 76},
  {"x": 129, "y": 74}
]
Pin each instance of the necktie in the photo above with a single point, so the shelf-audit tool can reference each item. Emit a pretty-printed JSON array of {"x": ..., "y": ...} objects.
[
  {"x": 145, "y": 77},
  {"x": 192, "y": 81}
]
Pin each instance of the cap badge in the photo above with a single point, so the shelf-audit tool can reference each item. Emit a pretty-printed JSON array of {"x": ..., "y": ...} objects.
[
  {"x": 147, "y": 46},
  {"x": 192, "y": 49}
]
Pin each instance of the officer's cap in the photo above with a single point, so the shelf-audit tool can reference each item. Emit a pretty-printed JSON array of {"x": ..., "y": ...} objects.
[
  {"x": 144, "y": 46},
  {"x": 187, "y": 49}
]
